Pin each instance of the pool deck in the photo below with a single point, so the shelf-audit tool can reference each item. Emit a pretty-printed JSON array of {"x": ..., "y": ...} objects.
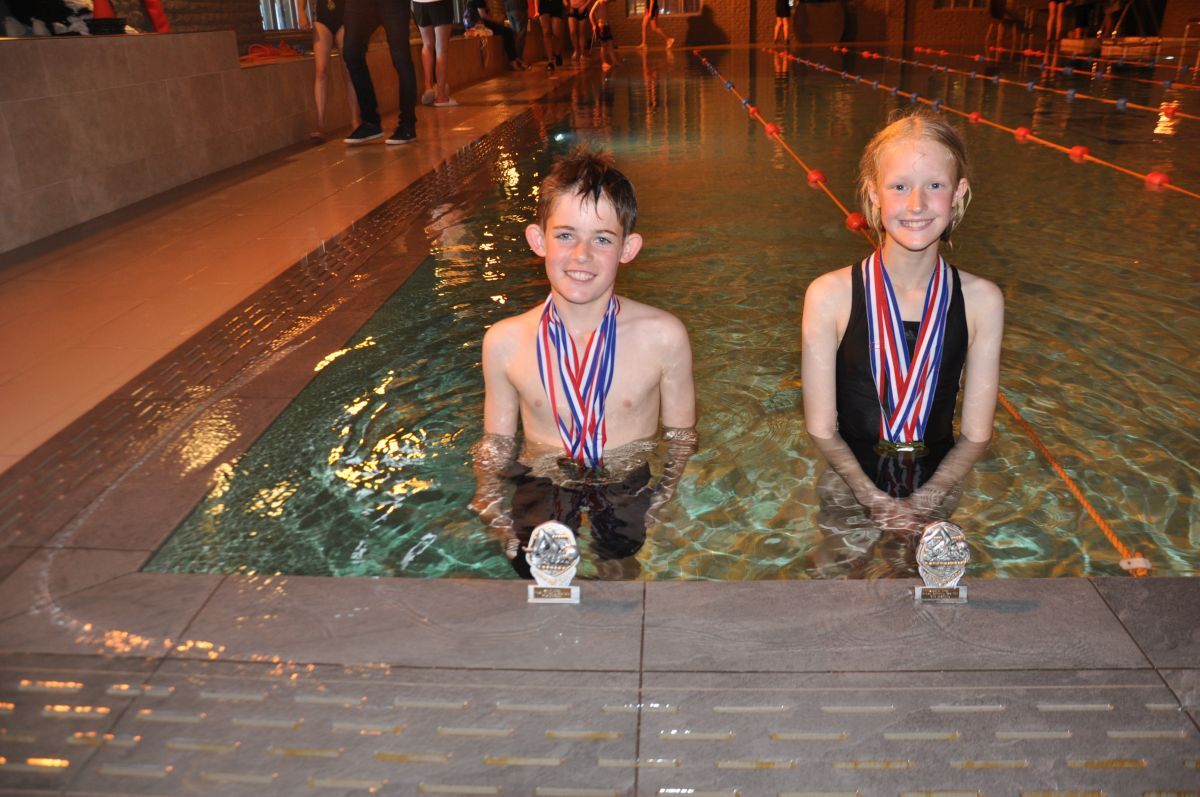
[{"x": 114, "y": 681}]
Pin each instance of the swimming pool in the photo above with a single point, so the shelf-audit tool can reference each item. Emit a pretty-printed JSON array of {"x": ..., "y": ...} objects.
[{"x": 367, "y": 472}]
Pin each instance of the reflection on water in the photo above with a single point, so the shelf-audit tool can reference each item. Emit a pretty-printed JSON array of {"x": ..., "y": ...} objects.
[{"x": 369, "y": 471}]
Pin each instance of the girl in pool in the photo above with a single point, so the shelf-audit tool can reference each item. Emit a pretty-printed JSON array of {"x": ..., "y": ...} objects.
[{"x": 886, "y": 340}]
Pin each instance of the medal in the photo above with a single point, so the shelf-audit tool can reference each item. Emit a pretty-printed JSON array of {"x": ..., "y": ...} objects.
[
  {"x": 585, "y": 380},
  {"x": 905, "y": 387}
]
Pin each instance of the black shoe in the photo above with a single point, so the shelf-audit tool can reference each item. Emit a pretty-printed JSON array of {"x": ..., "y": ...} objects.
[
  {"x": 550, "y": 66},
  {"x": 367, "y": 131},
  {"x": 403, "y": 135}
]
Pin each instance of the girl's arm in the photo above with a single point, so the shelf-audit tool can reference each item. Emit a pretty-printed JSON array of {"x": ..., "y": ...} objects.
[
  {"x": 825, "y": 298},
  {"x": 985, "y": 324}
]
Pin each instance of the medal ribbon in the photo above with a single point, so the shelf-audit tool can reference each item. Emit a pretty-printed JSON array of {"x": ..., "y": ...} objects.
[
  {"x": 585, "y": 381},
  {"x": 905, "y": 388}
]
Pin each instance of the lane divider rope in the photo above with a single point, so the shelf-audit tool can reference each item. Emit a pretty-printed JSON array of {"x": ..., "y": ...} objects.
[
  {"x": 1096, "y": 59},
  {"x": 1089, "y": 73},
  {"x": 1132, "y": 561},
  {"x": 1077, "y": 153},
  {"x": 1168, "y": 109}
]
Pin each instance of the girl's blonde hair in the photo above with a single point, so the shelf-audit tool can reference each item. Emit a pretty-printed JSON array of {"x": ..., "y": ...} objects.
[{"x": 924, "y": 123}]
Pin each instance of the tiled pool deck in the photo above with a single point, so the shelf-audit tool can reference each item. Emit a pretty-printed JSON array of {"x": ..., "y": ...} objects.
[{"x": 173, "y": 336}]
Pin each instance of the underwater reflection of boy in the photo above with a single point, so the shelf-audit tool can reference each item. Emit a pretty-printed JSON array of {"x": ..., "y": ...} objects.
[
  {"x": 588, "y": 375},
  {"x": 886, "y": 341}
]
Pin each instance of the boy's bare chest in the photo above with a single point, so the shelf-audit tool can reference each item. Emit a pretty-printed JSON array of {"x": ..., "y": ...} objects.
[{"x": 561, "y": 382}]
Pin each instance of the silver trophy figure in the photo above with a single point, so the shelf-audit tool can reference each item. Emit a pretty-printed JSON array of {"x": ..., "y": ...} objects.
[
  {"x": 942, "y": 557},
  {"x": 553, "y": 558}
]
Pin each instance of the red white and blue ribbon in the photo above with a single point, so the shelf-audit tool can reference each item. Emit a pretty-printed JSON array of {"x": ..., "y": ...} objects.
[
  {"x": 585, "y": 380},
  {"x": 905, "y": 387}
]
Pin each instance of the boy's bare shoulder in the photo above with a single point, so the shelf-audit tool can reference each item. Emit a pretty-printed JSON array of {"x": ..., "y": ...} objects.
[
  {"x": 653, "y": 321},
  {"x": 510, "y": 330}
]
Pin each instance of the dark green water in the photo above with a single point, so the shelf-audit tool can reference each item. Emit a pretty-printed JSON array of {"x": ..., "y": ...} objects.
[{"x": 368, "y": 472}]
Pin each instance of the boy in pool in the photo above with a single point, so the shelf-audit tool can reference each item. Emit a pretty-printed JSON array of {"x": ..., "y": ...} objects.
[
  {"x": 886, "y": 340},
  {"x": 587, "y": 375}
]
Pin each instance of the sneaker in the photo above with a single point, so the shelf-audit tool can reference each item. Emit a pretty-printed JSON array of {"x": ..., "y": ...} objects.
[
  {"x": 403, "y": 135},
  {"x": 365, "y": 132},
  {"x": 428, "y": 97},
  {"x": 670, "y": 43},
  {"x": 449, "y": 102},
  {"x": 550, "y": 66}
]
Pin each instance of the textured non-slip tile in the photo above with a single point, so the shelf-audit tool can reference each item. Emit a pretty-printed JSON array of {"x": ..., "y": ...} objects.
[
  {"x": 10, "y": 559},
  {"x": 873, "y": 625},
  {"x": 472, "y": 623},
  {"x": 216, "y": 431},
  {"x": 1185, "y": 686},
  {"x": 52, "y": 574},
  {"x": 1160, "y": 614},
  {"x": 139, "y": 615}
]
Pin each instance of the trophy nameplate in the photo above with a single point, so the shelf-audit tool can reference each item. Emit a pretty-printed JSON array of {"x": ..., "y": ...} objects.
[
  {"x": 942, "y": 557},
  {"x": 553, "y": 558}
]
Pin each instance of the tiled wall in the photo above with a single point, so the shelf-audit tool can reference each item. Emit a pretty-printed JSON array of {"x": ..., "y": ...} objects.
[{"x": 96, "y": 124}]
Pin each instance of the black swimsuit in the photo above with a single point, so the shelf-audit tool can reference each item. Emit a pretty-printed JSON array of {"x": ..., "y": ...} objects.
[
  {"x": 331, "y": 13},
  {"x": 858, "y": 403}
]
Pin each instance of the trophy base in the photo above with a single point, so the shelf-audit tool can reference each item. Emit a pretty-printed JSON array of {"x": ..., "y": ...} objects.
[
  {"x": 940, "y": 594},
  {"x": 539, "y": 594}
]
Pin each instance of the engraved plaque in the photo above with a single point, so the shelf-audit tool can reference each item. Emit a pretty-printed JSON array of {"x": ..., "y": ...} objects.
[
  {"x": 553, "y": 558},
  {"x": 942, "y": 557}
]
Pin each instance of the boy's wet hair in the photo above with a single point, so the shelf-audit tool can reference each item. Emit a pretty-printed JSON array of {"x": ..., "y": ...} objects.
[
  {"x": 924, "y": 123},
  {"x": 584, "y": 173}
]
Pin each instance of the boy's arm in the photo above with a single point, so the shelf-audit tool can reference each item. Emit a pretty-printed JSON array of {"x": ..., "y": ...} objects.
[
  {"x": 497, "y": 449},
  {"x": 677, "y": 397},
  {"x": 592, "y": 13}
]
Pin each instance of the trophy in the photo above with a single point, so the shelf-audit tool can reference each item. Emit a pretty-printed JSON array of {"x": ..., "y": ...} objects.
[
  {"x": 553, "y": 557},
  {"x": 942, "y": 556}
]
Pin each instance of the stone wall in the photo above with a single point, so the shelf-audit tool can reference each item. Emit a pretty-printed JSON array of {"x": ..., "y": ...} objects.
[{"x": 99, "y": 123}]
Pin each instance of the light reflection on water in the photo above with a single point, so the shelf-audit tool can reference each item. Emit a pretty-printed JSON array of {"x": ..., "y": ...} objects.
[{"x": 368, "y": 472}]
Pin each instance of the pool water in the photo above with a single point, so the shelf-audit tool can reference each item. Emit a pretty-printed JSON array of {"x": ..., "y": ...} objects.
[{"x": 368, "y": 472}]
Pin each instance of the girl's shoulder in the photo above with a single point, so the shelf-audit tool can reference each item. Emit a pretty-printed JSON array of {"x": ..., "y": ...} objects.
[
  {"x": 979, "y": 288},
  {"x": 832, "y": 283}
]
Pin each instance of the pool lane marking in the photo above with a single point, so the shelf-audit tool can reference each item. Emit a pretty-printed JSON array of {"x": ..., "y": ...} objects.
[
  {"x": 1169, "y": 110},
  {"x": 981, "y": 57},
  {"x": 1132, "y": 562},
  {"x": 1154, "y": 180},
  {"x": 775, "y": 133},
  {"x": 1182, "y": 67}
]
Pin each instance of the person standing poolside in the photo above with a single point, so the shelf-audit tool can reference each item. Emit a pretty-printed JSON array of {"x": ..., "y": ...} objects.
[
  {"x": 783, "y": 19},
  {"x": 1054, "y": 23},
  {"x": 550, "y": 17},
  {"x": 577, "y": 15},
  {"x": 587, "y": 376},
  {"x": 517, "y": 12},
  {"x": 604, "y": 35},
  {"x": 476, "y": 13},
  {"x": 434, "y": 18},
  {"x": 886, "y": 341},
  {"x": 650, "y": 20},
  {"x": 361, "y": 19},
  {"x": 328, "y": 30}
]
